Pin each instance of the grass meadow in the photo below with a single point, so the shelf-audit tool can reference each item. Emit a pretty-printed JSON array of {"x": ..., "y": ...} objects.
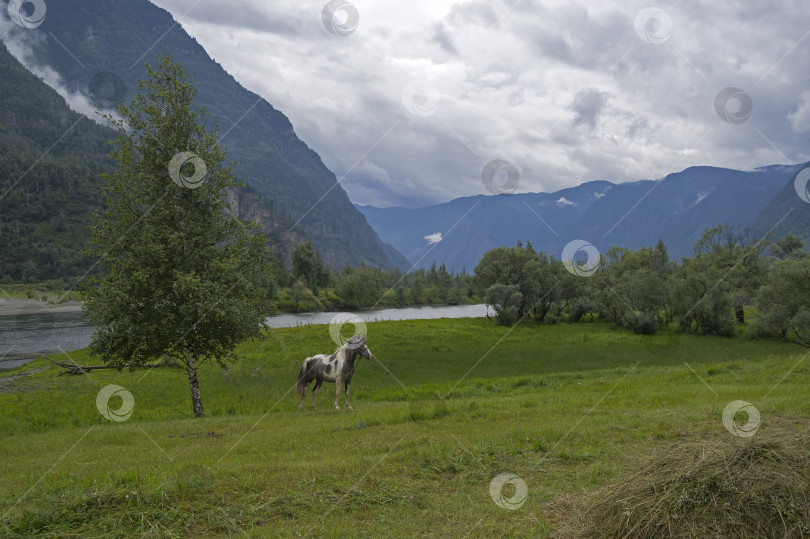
[{"x": 443, "y": 408}]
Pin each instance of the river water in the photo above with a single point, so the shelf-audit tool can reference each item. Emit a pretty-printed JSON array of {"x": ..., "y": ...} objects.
[{"x": 22, "y": 337}]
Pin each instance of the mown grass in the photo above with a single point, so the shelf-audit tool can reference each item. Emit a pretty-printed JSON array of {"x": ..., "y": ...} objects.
[{"x": 568, "y": 408}]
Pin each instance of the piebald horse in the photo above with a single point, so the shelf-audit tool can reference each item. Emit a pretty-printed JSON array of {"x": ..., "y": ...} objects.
[{"x": 338, "y": 368}]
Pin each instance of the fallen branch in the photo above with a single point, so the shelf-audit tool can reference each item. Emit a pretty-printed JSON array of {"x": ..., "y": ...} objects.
[{"x": 74, "y": 368}]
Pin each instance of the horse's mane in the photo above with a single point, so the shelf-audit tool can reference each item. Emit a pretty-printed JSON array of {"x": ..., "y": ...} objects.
[{"x": 340, "y": 351}]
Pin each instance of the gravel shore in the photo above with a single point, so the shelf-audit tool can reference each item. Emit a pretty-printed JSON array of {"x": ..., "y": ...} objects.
[{"x": 13, "y": 307}]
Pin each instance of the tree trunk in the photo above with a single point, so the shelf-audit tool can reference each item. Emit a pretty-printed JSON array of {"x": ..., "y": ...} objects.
[
  {"x": 739, "y": 312},
  {"x": 196, "y": 399}
]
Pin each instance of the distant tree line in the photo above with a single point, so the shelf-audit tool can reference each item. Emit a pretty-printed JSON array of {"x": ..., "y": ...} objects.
[
  {"x": 711, "y": 292},
  {"x": 308, "y": 284}
]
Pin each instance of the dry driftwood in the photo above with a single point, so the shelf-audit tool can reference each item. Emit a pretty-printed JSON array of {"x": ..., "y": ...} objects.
[{"x": 74, "y": 368}]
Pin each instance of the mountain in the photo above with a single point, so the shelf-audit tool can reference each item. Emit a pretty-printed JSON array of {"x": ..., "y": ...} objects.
[
  {"x": 46, "y": 197},
  {"x": 50, "y": 163},
  {"x": 98, "y": 48},
  {"x": 676, "y": 209},
  {"x": 785, "y": 214}
]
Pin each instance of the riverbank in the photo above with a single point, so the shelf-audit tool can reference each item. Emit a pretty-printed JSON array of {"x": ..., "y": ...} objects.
[
  {"x": 18, "y": 306},
  {"x": 31, "y": 327},
  {"x": 10, "y": 306}
]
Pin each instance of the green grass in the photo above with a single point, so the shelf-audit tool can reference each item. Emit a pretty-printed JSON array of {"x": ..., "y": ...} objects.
[
  {"x": 568, "y": 408},
  {"x": 328, "y": 300},
  {"x": 52, "y": 292}
]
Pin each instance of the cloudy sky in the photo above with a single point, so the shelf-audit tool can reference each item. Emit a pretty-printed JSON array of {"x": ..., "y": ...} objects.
[{"x": 410, "y": 104}]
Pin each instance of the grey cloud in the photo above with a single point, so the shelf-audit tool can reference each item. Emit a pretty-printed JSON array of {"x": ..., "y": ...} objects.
[
  {"x": 588, "y": 106},
  {"x": 292, "y": 21},
  {"x": 21, "y": 44},
  {"x": 571, "y": 34},
  {"x": 638, "y": 126},
  {"x": 475, "y": 13},
  {"x": 554, "y": 46},
  {"x": 509, "y": 73},
  {"x": 442, "y": 36}
]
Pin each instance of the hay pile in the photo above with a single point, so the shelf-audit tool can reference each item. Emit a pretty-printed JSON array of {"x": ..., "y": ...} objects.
[{"x": 725, "y": 487}]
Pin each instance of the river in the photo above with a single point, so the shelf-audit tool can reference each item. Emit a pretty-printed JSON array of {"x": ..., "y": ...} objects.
[{"x": 23, "y": 337}]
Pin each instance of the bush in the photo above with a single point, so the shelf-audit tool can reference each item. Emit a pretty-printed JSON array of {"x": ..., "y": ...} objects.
[
  {"x": 646, "y": 324},
  {"x": 506, "y": 300}
]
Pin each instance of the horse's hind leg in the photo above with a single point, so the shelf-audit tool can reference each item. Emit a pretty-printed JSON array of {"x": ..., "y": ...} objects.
[
  {"x": 347, "y": 385},
  {"x": 314, "y": 389},
  {"x": 303, "y": 396}
]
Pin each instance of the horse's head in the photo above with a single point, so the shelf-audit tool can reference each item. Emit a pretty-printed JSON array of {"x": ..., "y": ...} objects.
[{"x": 358, "y": 344}]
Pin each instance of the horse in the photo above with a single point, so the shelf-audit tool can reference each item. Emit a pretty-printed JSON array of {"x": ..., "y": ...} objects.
[{"x": 338, "y": 368}]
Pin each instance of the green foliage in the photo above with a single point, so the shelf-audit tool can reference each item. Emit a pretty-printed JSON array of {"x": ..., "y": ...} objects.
[
  {"x": 645, "y": 324},
  {"x": 517, "y": 266},
  {"x": 308, "y": 266},
  {"x": 635, "y": 288},
  {"x": 506, "y": 300},
  {"x": 546, "y": 289},
  {"x": 703, "y": 303},
  {"x": 644, "y": 291},
  {"x": 727, "y": 269},
  {"x": 185, "y": 278},
  {"x": 50, "y": 161},
  {"x": 788, "y": 246},
  {"x": 784, "y": 302},
  {"x": 360, "y": 288},
  {"x": 365, "y": 287}
]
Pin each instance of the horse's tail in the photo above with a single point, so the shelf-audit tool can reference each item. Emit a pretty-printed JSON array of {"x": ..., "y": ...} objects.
[{"x": 303, "y": 379}]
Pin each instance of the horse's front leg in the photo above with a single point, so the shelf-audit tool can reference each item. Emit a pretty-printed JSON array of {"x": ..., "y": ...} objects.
[
  {"x": 347, "y": 385},
  {"x": 338, "y": 381}
]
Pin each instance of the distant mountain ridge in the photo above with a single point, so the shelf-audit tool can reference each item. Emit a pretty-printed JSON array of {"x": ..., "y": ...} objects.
[
  {"x": 98, "y": 48},
  {"x": 785, "y": 214},
  {"x": 636, "y": 214}
]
